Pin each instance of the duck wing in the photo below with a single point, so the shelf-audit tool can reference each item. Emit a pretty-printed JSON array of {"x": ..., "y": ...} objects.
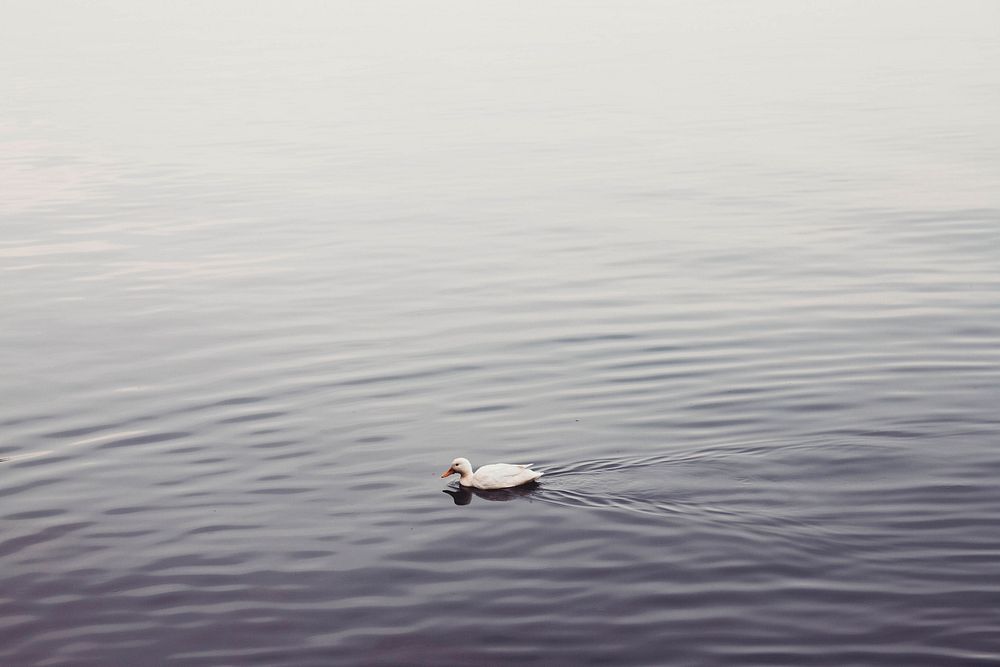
[{"x": 504, "y": 475}]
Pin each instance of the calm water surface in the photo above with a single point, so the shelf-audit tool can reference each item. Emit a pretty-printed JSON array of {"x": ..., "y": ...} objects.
[{"x": 728, "y": 272}]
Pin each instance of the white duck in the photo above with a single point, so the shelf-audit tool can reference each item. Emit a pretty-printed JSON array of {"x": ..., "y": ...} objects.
[{"x": 492, "y": 476}]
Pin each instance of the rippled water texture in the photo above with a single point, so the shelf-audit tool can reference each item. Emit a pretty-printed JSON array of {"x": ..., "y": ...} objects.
[{"x": 728, "y": 272}]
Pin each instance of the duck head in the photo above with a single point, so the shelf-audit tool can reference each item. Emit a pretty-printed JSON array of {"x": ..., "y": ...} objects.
[{"x": 460, "y": 467}]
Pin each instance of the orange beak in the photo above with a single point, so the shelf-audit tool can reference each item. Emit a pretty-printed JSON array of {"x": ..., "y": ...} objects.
[{"x": 448, "y": 473}]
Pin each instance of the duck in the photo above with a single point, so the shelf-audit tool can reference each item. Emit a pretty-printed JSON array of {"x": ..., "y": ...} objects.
[{"x": 492, "y": 476}]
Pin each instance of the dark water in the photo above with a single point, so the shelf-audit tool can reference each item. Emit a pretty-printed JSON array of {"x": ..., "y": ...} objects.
[{"x": 728, "y": 272}]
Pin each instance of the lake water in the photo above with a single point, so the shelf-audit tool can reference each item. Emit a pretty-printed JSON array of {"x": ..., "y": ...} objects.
[{"x": 728, "y": 272}]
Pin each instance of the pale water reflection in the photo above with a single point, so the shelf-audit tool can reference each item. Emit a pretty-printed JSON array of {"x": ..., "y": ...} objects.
[{"x": 462, "y": 495}]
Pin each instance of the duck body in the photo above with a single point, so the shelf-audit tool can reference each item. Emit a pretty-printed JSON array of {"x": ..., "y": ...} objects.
[{"x": 492, "y": 476}]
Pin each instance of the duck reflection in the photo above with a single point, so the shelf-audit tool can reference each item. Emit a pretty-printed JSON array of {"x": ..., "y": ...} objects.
[{"x": 462, "y": 495}]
